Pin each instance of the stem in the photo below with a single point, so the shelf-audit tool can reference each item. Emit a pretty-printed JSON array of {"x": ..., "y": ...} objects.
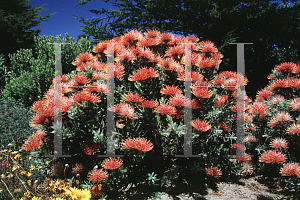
[{"x": 7, "y": 189}]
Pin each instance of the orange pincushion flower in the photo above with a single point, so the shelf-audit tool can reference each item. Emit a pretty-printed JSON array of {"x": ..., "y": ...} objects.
[
  {"x": 279, "y": 143},
  {"x": 148, "y": 104},
  {"x": 207, "y": 46},
  {"x": 112, "y": 163},
  {"x": 272, "y": 156},
  {"x": 294, "y": 129},
  {"x": 208, "y": 63},
  {"x": 30, "y": 145},
  {"x": 276, "y": 99},
  {"x": 201, "y": 126},
  {"x": 84, "y": 57},
  {"x": 132, "y": 97},
  {"x": 296, "y": 69},
  {"x": 259, "y": 107},
  {"x": 146, "y": 53},
  {"x": 281, "y": 117},
  {"x": 100, "y": 47},
  {"x": 165, "y": 109},
  {"x": 37, "y": 120},
  {"x": 97, "y": 175},
  {"x": 77, "y": 168},
  {"x": 125, "y": 110},
  {"x": 286, "y": 66},
  {"x": 166, "y": 37},
  {"x": 147, "y": 42},
  {"x": 238, "y": 147},
  {"x": 242, "y": 158},
  {"x": 85, "y": 96},
  {"x": 280, "y": 83},
  {"x": 295, "y": 104},
  {"x": 263, "y": 94},
  {"x": 170, "y": 90},
  {"x": 221, "y": 100},
  {"x": 152, "y": 34},
  {"x": 140, "y": 144},
  {"x": 143, "y": 74},
  {"x": 127, "y": 56},
  {"x": 214, "y": 171},
  {"x": 175, "y": 51},
  {"x": 290, "y": 169},
  {"x": 39, "y": 135},
  {"x": 202, "y": 93},
  {"x": 80, "y": 79},
  {"x": 177, "y": 100},
  {"x": 90, "y": 147}
]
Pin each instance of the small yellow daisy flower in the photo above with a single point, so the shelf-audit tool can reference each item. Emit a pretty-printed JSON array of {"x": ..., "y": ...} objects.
[
  {"x": 32, "y": 167},
  {"x": 23, "y": 172},
  {"x": 29, "y": 174},
  {"x": 17, "y": 156},
  {"x": 14, "y": 152}
]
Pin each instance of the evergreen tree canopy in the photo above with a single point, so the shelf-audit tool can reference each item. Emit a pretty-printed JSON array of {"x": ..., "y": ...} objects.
[
  {"x": 17, "y": 20},
  {"x": 274, "y": 31}
]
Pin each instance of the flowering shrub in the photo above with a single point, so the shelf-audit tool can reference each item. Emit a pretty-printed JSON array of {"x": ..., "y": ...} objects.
[
  {"x": 275, "y": 125},
  {"x": 149, "y": 104}
]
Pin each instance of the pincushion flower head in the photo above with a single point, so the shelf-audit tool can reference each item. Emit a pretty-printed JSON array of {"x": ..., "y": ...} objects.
[
  {"x": 143, "y": 74},
  {"x": 295, "y": 104},
  {"x": 272, "y": 157},
  {"x": 201, "y": 126},
  {"x": 279, "y": 143},
  {"x": 276, "y": 99},
  {"x": 77, "y": 168},
  {"x": 170, "y": 90},
  {"x": 90, "y": 147},
  {"x": 112, "y": 163},
  {"x": 97, "y": 175},
  {"x": 246, "y": 168},
  {"x": 213, "y": 171},
  {"x": 280, "y": 117},
  {"x": 132, "y": 97},
  {"x": 139, "y": 144},
  {"x": 290, "y": 169},
  {"x": 148, "y": 104},
  {"x": 165, "y": 109},
  {"x": 84, "y": 57},
  {"x": 294, "y": 129}
]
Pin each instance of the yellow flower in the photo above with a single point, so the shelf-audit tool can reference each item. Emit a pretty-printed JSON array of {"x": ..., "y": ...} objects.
[
  {"x": 15, "y": 167},
  {"x": 17, "y": 156},
  {"x": 9, "y": 176},
  {"x": 34, "y": 198},
  {"x": 78, "y": 194},
  {"x": 29, "y": 181},
  {"x": 23, "y": 172},
  {"x": 32, "y": 167},
  {"x": 29, "y": 174},
  {"x": 27, "y": 194},
  {"x": 14, "y": 152},
  {"x": 9, "y": 150},
  {"x": 2, "y": 151}
]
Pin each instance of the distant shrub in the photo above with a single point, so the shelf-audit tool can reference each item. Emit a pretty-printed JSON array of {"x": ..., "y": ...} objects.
[{"x": 31, "y": 71}]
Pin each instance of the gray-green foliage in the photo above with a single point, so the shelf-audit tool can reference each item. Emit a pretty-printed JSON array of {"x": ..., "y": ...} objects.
[
  {"x": 31, "y": 71},
  {"x": 14, "y": 123}
]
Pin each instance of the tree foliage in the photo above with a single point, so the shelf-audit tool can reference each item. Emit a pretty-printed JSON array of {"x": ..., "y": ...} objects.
[
  {"x": 262, "y": 23},
  {"x": 17, "y": 20}
]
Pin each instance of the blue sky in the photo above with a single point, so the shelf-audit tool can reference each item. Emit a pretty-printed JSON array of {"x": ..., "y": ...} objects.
[{"x": 62, "y": 22}]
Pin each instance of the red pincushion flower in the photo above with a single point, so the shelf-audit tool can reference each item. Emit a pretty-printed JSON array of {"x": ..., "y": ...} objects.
[
  {"x": 132, "y": 97},
  {"x": 170, "y": 90},
  {"x": 152, "y": 34},
  {"x": 39, "y": 135},
  {"x": 97, "y": 175},
  {"x": 100, "y": 47},
  {"x": 80, "y": 79},
  {"x": 272, "y": 157},
  {"x": 112, "y": 163},
  {"x": 77, "y": 168},
  {"x": 125, "y": 110},
  {"x": 127, "y": 56},
  {"x": 243, "y": 158},
  {"x": 166, "y": 37},
  {"x": 146, "y": 53},
  {"x": 140, "y": 144},
  {"x": 147, "y": 42},
  {"x": 175, "y": 51},
  {"x": 96, "y": 190},
  {"x": 201, "y": 126},
  {"x": 148, "y": 104},
  {"x": 281, "y": 117},
  {"x": 90, "y": 147},
  {"x": 290, "y": 169},
  {"x": 208, "y": 63},
  {"x": 238, "y": 147},
  {"x": 165, "y": 109},
  {"x": 143, "y": 74},
  {"x": 37, "y": 120},
  {"x": 214, "y": 171}
]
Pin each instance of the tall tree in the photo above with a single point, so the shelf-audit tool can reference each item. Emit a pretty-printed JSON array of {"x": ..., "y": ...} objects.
[
  {"x": 17, "y": 20},
  {"x": 262, "y": 23}
]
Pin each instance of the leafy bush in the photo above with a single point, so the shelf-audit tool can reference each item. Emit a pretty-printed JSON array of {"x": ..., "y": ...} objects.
[
  {"x": 149, "y": 114},
  {"x": 276, "y": 126},
  {"x": 31, "y": 71}
]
